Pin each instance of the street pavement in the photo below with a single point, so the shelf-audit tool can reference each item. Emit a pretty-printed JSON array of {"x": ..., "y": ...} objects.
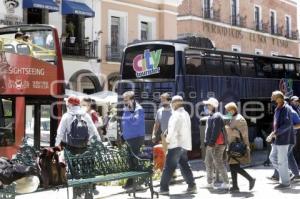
[{"x": 264, "y": 188}]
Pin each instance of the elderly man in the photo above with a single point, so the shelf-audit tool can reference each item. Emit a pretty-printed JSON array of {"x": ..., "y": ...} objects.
[
  {"x": 282, "y": 137},
  {"x": 179, "y": 141},
  {"x": 215, "y": 141}
]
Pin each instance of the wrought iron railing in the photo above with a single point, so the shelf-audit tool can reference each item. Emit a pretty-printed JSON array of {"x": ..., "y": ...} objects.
[
  {"x": 80, "y": 48},
  {"x": 114, "y": 53}
]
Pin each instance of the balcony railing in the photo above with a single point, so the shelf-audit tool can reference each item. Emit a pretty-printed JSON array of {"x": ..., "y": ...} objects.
[
  {"x": 261, "y": 26},
  {"x": 237, "y": 20},
  {"x": 80, "y": 48},
  {"x": 212, "y": 14},
  {"x": 114, "y": 53},
  {"x": 292, "y": 35}
]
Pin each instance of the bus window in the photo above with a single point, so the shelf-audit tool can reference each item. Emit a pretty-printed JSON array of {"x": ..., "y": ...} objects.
[
  {"x": 149, "y": 61},
  {"x": 38, "y": 44},
  {"x": 231, "y": 66},
  {"x": 44, "y": 125},
  {"x": 290, "y": 70},
  {"x": 264, "y": 70},
  {"x": 278, "y": 70},
  {"x": 297, "y": 69},
  {"x": 194, "y": 66},
  {"x": 213, "y": 64},
  {"x": 247, "y": 68},
  {"x": 7, "y": 133}
]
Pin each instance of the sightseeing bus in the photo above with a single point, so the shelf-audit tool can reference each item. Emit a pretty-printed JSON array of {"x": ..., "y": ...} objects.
[
  {"x": 31, "y": 86},
  {"x": 194, "y": 69}
]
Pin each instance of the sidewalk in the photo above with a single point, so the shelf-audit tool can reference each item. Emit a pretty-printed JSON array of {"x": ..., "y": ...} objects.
[{"x": 263, "y": 188}]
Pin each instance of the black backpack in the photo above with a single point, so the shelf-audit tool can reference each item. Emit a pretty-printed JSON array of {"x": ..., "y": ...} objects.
[
  {"x": 79, "y": 133},
  {"x": 238, "y": 148}
]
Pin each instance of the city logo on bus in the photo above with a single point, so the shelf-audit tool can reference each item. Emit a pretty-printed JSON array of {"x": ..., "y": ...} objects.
[{"x": 147, "y": 64}]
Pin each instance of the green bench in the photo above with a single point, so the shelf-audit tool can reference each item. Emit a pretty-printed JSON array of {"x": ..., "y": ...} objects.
[{"x": 102, "y": 164}]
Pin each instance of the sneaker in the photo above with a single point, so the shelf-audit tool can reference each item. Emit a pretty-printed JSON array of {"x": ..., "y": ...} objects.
[
  {"x": 295, "y": 178},
  {"x": 234, "y": 189},
  {"x": 274, "y": 179},
  {"x": 191, "y": 189},
  {"x": 224, "y": 186},
  {"x": 252, "y": 183},
  {"x": 163, "y": 192},
  {"x": 283, "y": 186}
]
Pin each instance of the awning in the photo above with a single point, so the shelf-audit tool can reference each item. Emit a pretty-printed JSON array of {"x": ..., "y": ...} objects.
[
  {"x": 71, "y": 7},
  {"x": 42, "y": 4}
]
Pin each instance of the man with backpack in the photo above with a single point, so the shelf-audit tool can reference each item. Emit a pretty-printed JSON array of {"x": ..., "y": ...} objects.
[
  {"x": 74, "y": 132},
  {"x": 76, "y": 127}
]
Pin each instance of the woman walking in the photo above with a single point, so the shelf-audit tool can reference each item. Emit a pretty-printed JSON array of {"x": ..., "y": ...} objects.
[{"x": 236, "y": 127}]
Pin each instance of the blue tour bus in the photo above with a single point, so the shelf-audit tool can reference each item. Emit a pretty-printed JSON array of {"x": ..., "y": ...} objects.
[{"x": 192, "y": 68}]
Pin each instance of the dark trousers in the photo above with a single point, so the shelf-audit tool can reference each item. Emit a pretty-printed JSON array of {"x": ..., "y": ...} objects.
[
  {"x": 174, "y": 157},
  {"x": 135, "y": 145},
  {"x": 236, "y": 169}
]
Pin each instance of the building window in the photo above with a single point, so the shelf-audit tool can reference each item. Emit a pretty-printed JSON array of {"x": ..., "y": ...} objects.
[
  {"x": 236, "y": 48},
  {"x": 115, "y": 31},
  {"x": 235, "y": 17},
  {"x": 207, "y": 9},
  {"x": 146, "y": 27},
  {"x": 288, "y": 31},
  {"x": 257, "y": 18},
  {"x": 144, "y": 30},
  {"x": 117, "y": 35},
  {"x": 259, "y": 51},
  {"x": 273, "y": 22},
  {"x": 37, "y": 16}
]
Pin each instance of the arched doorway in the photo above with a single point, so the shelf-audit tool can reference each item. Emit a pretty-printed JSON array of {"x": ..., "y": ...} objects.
[{"x": 85, "y": 81}]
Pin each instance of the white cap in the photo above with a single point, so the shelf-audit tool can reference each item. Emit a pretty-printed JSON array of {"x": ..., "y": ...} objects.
[
  {"x": 177, "y": 98},
  {"x": 294, "y": 98},
  {"x": 212, "y": 101}
]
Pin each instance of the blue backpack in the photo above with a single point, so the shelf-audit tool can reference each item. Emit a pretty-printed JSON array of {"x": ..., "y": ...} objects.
[{"x": 79, "y": 133}]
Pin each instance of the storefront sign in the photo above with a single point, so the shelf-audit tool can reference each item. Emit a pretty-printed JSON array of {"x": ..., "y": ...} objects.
[
  {"x": 8, "y": 15},
  {"x": 240, "y": 35},
  {"x": 147, "y": 64}
]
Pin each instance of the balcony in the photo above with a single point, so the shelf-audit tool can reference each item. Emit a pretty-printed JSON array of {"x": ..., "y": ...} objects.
[
  {"x": 80, "y": 48},
  {"x": 261, "y": 26},
  {"x": 292, "y": 35},
  {"x": 212, "y": 14},
  {"x": 114, "y": 53},
  {"x": 237, "y": 20}
]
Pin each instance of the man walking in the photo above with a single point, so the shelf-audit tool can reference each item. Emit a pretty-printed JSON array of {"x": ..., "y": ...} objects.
[
  {"x": 161, "y": 119},
  {"x": 282, "y": 137},
  {"x": 133, "y": 126},
  {"x": 215, "y": 141},
  {"x": 179, "y": 141}
]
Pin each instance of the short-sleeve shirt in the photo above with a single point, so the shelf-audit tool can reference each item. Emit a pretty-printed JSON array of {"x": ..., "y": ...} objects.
[{"x": 162, "y": 117}]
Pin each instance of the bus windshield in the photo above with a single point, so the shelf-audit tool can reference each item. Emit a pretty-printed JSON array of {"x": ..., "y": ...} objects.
[
  {"x": 38, "y": 43},
  {"x": 149, "y": 61}
]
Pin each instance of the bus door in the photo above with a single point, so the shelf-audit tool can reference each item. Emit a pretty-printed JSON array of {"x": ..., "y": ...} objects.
[{"x": 40, "y": 123}]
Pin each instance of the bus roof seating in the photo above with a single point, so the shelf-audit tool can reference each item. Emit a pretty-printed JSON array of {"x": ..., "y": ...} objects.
[
  {"x": 9, "y": 48},
  {"x": 23, "y": 49}
]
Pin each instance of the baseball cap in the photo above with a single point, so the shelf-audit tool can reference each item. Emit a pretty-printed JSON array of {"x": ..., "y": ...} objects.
[
  {"x": 75, "y": 101},
  {"x": 212, "y": 101}
]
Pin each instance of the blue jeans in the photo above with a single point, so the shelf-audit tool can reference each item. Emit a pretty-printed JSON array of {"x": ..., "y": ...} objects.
[
  {"x": 175, "y": 156},
  {"x": 136, "y": 144},
  {"x": 279, "y": 159},
  {"x": 292, "y": 163}
]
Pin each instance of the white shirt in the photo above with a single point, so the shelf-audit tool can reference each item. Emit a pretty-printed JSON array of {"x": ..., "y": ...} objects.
[{"x": 179, "y": 130}]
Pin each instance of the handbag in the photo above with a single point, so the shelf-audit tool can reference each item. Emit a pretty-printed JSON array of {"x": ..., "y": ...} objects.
[{"x": 237, "y": 148}]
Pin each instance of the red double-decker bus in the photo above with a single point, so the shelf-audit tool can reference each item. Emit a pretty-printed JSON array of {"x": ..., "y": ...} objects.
[{"x": 31, "y": 86}]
